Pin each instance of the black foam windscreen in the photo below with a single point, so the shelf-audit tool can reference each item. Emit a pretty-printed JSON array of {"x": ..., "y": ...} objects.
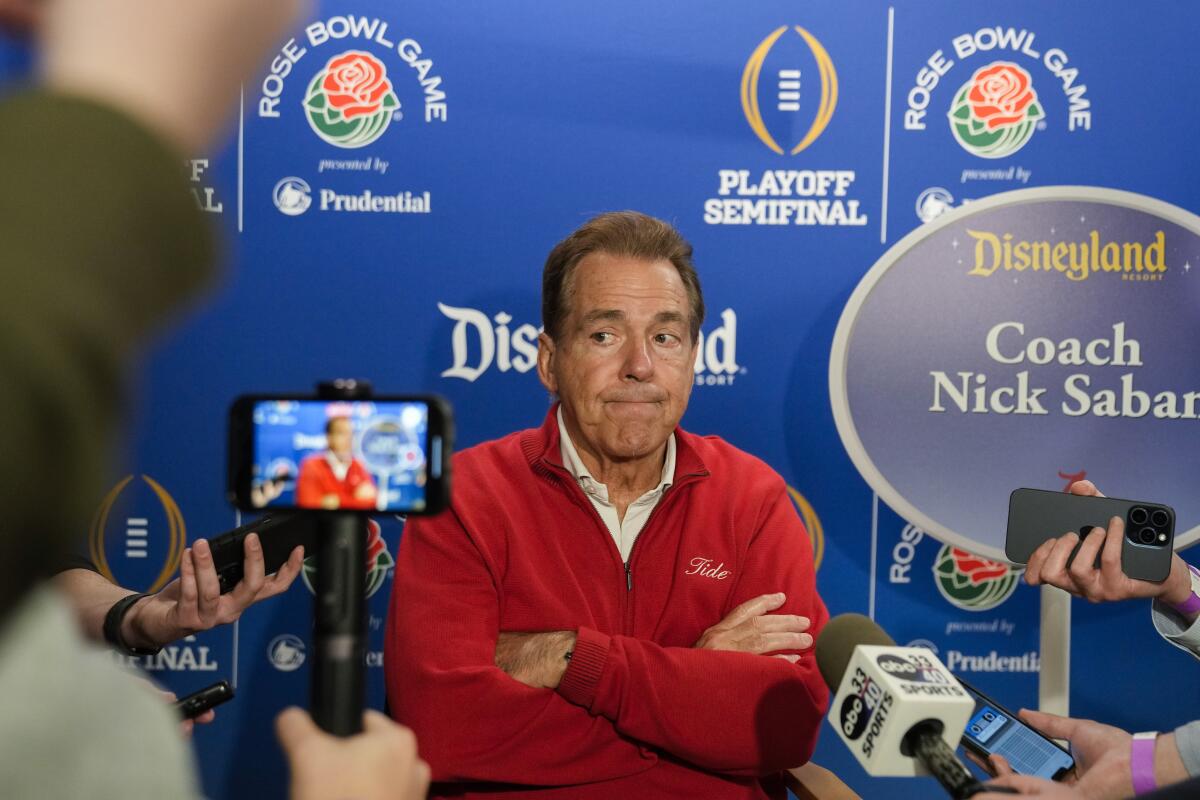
[{"x": 838, "y": 639}]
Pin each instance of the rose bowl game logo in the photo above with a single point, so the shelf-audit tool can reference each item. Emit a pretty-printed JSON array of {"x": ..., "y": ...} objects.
[
  {"x": 379, "y": 561},
  {"x": 995, "y": 113},
  {"x": 971, "y": 582},
  {"x": 350, "y": 102}
]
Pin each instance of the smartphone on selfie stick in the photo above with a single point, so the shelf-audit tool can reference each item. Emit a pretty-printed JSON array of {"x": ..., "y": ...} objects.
[{"x": 333, "y": 458}]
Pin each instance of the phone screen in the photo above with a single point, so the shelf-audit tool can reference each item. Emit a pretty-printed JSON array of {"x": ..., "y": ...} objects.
[
  {"x": 993, "y": 729},
  {"x": 366, "y": 455}
]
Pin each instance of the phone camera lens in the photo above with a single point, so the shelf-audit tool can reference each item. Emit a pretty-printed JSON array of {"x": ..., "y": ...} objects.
[
  {"x": 1147, "y": 535},
  {"x": 1161, "y": 518},
  {"x": 1139, "y": 515}
]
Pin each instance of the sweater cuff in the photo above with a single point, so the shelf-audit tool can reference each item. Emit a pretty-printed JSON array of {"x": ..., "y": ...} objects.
[
  {"x": 1175, "y": 629},
  {"x": 579, "y": 682}
]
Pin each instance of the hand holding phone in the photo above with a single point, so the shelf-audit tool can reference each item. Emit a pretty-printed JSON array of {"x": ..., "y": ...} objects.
[
  {"x": 1142, "y": 550},
  {"x": 1092, "y": 566},
  {"x": 377, "y": 454},
  {"x": 993, "y": 729},
  {"x": 197, "y": 703}
]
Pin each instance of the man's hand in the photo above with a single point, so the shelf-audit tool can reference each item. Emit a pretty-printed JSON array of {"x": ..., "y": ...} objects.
[
  {"x": 380, "y": 763},
  {"x": 1027, "y": 785},
  {"x": 750, "y": 628},
  {"x": 1101, "y": 753},
  {"x": 535, "y": 659},
  {"x": 193, "y": 602},
  {"x": 186, "y": 725},
  {"x": 1082, "y": 578}
]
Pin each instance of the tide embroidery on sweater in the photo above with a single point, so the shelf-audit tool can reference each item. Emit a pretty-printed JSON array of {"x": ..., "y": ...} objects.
[{"x": 703, "y": 567}]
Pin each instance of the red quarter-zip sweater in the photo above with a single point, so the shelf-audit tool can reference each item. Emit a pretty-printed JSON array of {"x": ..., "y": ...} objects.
[{"x": 639, "y": 712}]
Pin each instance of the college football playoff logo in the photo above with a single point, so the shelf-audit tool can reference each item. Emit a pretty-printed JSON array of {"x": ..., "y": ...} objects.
[
  {"x": 812, "y": 524},
  {"x": 995, "y": 113},
  {"x": 781, "y": 96},
  {"x": 350, "y": 102},
  {"x": 971, "y": 582}
]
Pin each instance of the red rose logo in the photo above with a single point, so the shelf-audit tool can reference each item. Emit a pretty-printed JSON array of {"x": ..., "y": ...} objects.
[
  {"x": 976, "y": 569},
  {"x": 356, "y": 84},
  {"x": 1000, "y": 94},
  {"x": 375, "y": 543}
]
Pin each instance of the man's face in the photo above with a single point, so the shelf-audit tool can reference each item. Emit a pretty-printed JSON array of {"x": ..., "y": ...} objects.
[
  {"x": 340, "y": 437},
  {"x": 623, "y": 363}
]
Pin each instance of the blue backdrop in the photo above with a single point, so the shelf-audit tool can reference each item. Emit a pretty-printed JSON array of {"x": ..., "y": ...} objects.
[{"x": 400, "y": 237}]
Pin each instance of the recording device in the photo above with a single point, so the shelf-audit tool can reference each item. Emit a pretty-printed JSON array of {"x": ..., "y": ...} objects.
[
  {"x": 197, "y": 703},
  {"x": 340, "y": 453},
  {"x": 898, "y": 709},
  {"x": 994, "y": 729},
  {"x": 1034, "y": 516},
  {"x": 279, "y": 534}
]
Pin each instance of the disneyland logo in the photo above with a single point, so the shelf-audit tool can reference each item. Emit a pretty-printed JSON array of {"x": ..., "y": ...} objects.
[{"x": 479, "y": 342}]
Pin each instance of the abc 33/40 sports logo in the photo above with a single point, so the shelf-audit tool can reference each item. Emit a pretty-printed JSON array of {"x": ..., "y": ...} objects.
[{"x": 786, "y": 95}]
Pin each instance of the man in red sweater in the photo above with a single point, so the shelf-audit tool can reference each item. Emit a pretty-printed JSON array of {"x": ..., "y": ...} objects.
[
  {"x": 335, "y": 478},
  {"x": 612, "y": 607}
]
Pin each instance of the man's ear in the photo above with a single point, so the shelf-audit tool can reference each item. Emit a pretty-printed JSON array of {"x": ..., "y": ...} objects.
[{"x": 545, "y": 363}]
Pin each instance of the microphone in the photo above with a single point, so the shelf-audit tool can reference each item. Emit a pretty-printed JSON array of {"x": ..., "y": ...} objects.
[{"x": 898, "y": 709}]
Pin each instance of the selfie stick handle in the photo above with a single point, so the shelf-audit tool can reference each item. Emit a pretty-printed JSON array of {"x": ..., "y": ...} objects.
[{"x": 339, "y": 669}]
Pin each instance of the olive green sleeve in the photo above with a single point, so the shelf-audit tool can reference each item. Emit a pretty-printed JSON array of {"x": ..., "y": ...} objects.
[{"x": 100, "y": 240}]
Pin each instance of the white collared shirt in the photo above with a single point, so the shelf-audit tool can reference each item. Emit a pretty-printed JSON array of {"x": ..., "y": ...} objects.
[
  {"x": 624, "y": 531},
  {"x": 340, "y": 468}
]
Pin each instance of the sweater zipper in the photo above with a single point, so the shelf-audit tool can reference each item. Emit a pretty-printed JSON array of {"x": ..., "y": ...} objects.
[
  {"x": 650, "y": 519},
  {"x": 608, "y": 534}
]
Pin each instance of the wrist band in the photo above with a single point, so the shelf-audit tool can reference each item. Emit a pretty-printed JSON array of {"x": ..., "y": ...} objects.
[
  {"x": 1192, "y": 604},
  {"x": 112, "y": 627},
  {"x": 1141, "y": 762}
]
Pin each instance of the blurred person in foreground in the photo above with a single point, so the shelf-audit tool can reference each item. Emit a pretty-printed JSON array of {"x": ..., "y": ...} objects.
[
  {"x": 612, "y": 607},
  {"x": 1110, "y": 762},
  {"x": 101, "y": 242}
]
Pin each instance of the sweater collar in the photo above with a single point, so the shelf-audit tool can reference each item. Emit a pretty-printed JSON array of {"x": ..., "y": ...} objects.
[{"x": 542, "y": 448}]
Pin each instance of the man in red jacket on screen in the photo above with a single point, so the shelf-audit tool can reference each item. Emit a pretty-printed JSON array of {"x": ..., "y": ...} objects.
[
  {"x": 335, "y": 478},
  {"x": 612, "y": 607}
]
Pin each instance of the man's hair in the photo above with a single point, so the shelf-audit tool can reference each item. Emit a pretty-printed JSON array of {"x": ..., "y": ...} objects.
[
  {"x": 617, "y": 233},
  {"x": 339, "y": 418}
]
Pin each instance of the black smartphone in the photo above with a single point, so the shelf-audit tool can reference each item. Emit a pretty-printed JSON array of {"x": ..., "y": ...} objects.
[
  {"x": 279, "y": 534},
  {"x": 378, "y": 454},
  {"x": 197, "y": 703},
  {"x": 994, "y": 729},
  {"x": 1035, "y": 515}
]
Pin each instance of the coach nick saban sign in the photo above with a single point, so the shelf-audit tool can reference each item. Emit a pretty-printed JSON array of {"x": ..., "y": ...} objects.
[{"x": 1024, "y": 340}]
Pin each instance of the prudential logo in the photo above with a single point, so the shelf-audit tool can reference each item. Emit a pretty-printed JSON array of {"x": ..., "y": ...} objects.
[{"x": 292, "y": 196}]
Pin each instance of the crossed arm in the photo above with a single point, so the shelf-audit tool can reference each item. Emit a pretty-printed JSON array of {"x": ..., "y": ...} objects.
[{"x": 723, "y": 705}]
